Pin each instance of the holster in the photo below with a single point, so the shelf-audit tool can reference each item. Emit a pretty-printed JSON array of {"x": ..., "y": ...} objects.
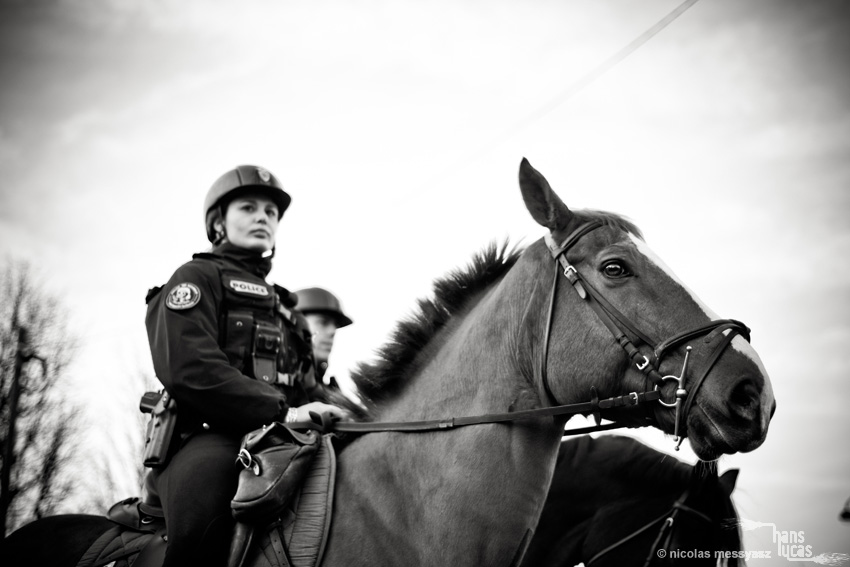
[
  {"x": 160, "y": 428},
  {"x": 275, "y": 460}
]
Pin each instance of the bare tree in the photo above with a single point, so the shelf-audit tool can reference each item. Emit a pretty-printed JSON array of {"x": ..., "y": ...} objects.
[
  {"x": 120, "y": 472},
  {"x": 37, "y": 422}
]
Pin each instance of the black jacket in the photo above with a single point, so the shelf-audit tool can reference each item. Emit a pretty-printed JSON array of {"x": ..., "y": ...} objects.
[{"x": 202, "y": 343}]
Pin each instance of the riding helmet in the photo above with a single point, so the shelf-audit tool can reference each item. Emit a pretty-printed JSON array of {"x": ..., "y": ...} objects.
[
  {"x": 318, "y": 300},
  {"x": 240, "y": 180}
]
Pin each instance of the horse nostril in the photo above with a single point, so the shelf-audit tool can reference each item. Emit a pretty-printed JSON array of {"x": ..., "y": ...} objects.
[
  {"x": 745, "y": 396},
  {"x": 772, "y": 409}
]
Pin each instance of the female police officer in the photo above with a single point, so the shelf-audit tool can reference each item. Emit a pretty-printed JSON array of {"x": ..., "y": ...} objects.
[{"x": 233, "y": 354}]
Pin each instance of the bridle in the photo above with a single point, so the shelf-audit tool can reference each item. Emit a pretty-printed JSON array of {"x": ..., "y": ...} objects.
[
  {"x": 626, "y": 335},
  {"x": 665, "y": 532}
]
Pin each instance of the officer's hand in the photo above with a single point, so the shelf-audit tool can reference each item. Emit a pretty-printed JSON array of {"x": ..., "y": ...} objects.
[{"x": 320, "y": 407}]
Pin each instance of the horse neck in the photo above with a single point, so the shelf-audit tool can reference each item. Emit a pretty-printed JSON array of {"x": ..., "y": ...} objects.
[
  {"x": 465, "y": 496},
  {"x": 469, "y": 366},
  {"x": 490, "y": 358},
  {"x": 595, "y": 473}
]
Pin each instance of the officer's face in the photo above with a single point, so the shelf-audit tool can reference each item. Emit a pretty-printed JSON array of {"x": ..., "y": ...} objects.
[
  {"x": 251, "y": 222},
  {"x": 323, "y": 328}
]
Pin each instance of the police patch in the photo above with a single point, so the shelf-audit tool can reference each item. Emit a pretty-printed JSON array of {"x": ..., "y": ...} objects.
[
  {"x": 183, "y": 296},
  {"x": 250, "y": 288}
]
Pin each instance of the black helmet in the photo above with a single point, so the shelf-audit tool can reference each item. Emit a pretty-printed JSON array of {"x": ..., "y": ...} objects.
[
  {"x": 243, "y": 179},
  {"x": 318, "y": 300}
]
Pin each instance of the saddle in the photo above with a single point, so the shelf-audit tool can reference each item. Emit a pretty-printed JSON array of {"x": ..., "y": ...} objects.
[
  {"x": 138, "y": 537},
  {"x": 297, "y": 535},
  {"x": 295, "y": 538}
]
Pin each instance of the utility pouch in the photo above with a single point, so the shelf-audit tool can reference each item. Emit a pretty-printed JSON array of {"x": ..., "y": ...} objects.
[
  {"x": 238, "y": 336},
  {"x": 160, "y": 428},
  {"x": 275, "y": 460},
  {"x": 267, "y": 342}
]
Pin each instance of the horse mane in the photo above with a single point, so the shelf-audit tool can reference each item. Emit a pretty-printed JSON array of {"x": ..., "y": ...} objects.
[{"x": 451, "y": 295}]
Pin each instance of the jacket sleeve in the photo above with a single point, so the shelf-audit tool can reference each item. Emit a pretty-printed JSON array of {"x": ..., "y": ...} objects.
[{"x": 192, "y": 366}]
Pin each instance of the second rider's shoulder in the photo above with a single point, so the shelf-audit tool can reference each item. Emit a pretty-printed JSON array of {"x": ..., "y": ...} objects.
[{"x": 287, "y": 298}]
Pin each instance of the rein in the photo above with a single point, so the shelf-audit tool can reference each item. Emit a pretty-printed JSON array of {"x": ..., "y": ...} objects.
[
  {"x": 668, "y": 518},
  {"x": 620, "y": 327},
  {"x": 593, "y": 406}
]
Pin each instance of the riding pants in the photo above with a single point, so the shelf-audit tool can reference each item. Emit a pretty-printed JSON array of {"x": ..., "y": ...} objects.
[{"x": 196, "y": 489}]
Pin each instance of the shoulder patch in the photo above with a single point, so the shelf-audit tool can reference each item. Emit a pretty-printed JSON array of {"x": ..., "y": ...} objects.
[
  {"x": 183, "y": 296},
  {"x": 249, "y": 288}
]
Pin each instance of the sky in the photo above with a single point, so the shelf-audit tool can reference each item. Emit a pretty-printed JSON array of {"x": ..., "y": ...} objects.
[{"x": 398, "y": 128}]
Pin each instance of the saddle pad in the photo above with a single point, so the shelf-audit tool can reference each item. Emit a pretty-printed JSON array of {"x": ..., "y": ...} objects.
[
  {"x": 115, "y": 544},
  {"x": 307, "y": 535}
]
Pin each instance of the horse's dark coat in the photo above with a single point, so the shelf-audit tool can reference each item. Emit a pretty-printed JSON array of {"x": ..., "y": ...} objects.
[{"x": 604, "y": 488}]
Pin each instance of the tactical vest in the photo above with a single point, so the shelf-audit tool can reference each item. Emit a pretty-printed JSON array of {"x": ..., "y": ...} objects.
[{"x": 260, "y": 332}]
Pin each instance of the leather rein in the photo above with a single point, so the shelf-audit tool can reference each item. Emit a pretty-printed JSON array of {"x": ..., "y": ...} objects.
[
  {"x": 665, "y": 532},
  {"x": 620, "y": 327}
]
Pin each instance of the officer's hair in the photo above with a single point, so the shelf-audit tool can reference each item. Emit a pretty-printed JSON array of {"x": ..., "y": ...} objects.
[{"x": 217, "y": 214}]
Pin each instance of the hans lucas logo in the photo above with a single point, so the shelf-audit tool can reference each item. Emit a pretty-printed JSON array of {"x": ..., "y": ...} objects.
[{"x": 792, "y": 545}]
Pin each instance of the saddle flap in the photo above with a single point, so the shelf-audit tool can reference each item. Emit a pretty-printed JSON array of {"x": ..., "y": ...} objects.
[
  {"x": 299, "y": 538},
  {"x": 307, "y": 536}
]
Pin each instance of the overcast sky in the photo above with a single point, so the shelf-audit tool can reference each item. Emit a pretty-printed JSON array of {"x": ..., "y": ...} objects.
[{"x": 398, "y": 128}]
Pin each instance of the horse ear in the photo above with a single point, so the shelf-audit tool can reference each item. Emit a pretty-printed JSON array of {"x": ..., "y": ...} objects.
[
  {"x": 544, "y": 205},
  {"x": 728, "y": 479}
]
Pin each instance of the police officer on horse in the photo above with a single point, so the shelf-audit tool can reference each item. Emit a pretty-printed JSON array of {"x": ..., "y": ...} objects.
[
  {"x": 324, "y": 316},
  {"x": 233, "y": 353}
]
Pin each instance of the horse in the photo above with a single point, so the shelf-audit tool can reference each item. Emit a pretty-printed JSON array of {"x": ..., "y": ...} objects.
[
  {"x": 507, "y": 337},
  {"x": 615, "y": 501},
  {"x": 603, "y": 508}
]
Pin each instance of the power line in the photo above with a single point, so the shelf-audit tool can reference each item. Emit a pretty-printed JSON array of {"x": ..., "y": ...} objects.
[
  {"x": 575, "y": 88},
  {"x": 604, "y": 67}
]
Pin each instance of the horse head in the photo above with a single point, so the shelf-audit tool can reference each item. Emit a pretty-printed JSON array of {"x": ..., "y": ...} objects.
[
  {"x": 615, "y": 501},
  {"x": 641, "y": 330},
  {"x": 698, "y": 526}
]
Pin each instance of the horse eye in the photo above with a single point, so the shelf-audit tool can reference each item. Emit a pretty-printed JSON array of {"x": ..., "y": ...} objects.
[{"x": 615, "y": 269}]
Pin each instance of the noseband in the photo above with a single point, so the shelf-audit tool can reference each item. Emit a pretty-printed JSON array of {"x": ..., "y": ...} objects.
[
  {"x": 665, "y": 532},
  {"x": 627, "y": 334}
]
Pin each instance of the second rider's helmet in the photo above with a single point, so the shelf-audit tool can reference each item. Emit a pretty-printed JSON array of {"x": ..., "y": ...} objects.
[{"x": 318, "y": 300}]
